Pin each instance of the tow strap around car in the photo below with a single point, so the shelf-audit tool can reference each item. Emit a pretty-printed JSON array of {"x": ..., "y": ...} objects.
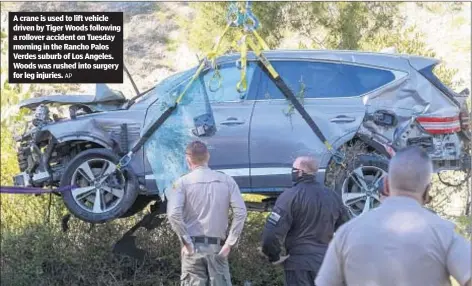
[
  {"x": 249, "y": 22},
  {"x": 287, "y": 92},
  {"x": 127, "y": 243},
  {"x": 32, "y": 190},
  {"x": 124, "y": 161},
  {"x": 235, "y": 18},
  {"x": 258, "y": 46}
]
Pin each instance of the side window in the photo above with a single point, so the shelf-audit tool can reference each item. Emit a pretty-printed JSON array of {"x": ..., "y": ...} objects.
[
  {"x": 325, "y": 80},
  {"x": 223, "y": 89}
]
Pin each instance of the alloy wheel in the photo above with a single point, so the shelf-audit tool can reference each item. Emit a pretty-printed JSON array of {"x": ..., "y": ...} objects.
[
  {"x": 360, "y": 190},
  {"x": 100, "y": 186}
]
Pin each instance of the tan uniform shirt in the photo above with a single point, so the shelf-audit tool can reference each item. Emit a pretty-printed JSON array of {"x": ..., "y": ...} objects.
[
  {"x": 399, "y": 243},
  {"x": 199, "y": 204}
]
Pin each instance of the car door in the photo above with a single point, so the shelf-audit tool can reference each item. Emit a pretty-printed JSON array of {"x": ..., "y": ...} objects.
[
  {"x": 331, "y": 92},
  {"x": 232, "y": 111},
  {"x": 212, "y": 111}
]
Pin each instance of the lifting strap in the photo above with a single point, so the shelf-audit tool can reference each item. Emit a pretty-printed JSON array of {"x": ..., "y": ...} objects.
[
  {"x": 32, "y": 190},
  {"x": 287, "y": 92},
  {"x": 237, "y": 19},
  {"x": 124, "y": 161},
  {"x": 127, "y": 243},
  {"x": 249, "y": 22}
]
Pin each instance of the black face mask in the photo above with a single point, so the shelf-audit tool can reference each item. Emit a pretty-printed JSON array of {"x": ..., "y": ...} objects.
[{"x": 295, "y": 176}]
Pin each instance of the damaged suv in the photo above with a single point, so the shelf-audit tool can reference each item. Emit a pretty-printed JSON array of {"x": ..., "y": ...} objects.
[{"x": 367, "y": 105}]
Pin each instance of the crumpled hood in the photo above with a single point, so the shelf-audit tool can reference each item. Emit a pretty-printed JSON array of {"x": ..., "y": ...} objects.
[
  {"x": 103, "y": 97},
  {"x": 32, "y": 103}
]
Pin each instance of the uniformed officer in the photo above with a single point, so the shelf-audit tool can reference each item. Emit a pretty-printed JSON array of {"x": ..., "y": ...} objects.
[
  {"x": 400, "y": 242},
  {"x": 304, "y": 218},
  {"x": 198, "y": 212}
]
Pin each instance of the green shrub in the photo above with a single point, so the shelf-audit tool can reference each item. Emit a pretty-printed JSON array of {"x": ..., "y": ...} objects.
[
  {"x": 41, "y": 254},
  {"x": 464, "y": 226}
]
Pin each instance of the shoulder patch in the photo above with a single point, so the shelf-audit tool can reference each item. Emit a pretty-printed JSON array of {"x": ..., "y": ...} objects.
[
  {"x": 177, "y": 183},
  {"x": 273, "y": 218},
  {"x": 174, "y": 185}
]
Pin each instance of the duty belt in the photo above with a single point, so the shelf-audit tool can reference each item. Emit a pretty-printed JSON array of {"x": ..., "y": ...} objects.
[{"x": 208, "y": 240}]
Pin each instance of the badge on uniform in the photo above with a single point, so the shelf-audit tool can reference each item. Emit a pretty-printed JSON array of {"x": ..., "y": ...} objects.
[
  {"x": 175, "y": 185},
  {"x": 273, "y": 218}
]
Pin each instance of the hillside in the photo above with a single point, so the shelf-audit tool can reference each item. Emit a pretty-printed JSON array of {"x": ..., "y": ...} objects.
[
  {"x": 154, "y": 45},
  {"x": 149, "y": 30}
]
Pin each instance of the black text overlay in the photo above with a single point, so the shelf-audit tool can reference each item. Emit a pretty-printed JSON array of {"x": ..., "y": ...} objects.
[{"x": 65, "y": 47}]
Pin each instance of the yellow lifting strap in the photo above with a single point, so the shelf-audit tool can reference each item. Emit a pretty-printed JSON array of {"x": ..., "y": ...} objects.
[
  {"x": 258, "y": 51},
  {"x": 211, "y": 56},
  {"x": 241, "y": 86},
  {"x": 257, "y": 48}
]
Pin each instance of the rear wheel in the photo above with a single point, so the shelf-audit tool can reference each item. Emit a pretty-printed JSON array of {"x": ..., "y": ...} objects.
[
  {"x": 360, "y": 183},
  {"x": 101, "y": 193}
]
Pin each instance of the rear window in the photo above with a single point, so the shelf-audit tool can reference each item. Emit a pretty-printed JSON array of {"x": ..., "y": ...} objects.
[
  {"x": 430, "y": 72},
  {"x": 327, "y": 80}
]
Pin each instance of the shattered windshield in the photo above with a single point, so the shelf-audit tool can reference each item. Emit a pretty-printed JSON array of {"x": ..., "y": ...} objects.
[
  {"x": 165, "y": 149},
  {"x": 165, "y": 85}
]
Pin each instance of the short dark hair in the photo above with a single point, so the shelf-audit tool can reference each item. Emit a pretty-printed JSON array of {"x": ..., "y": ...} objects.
[
  {"x": 410, "y": 170},
  {"x": 198, "y": 152}
]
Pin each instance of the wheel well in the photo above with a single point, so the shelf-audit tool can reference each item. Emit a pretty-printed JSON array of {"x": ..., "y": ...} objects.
[
  {"x": 366, "y": 145},
  {"x": 64, "y": 152},
  {"x": 351, "y": 149},
  {"x": 74, "y": 147}
]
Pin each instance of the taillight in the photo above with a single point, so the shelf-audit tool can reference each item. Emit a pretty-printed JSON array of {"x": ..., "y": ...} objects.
[
  {"x": 465, "y": 119},
  {"x": 440, "y": 125}
]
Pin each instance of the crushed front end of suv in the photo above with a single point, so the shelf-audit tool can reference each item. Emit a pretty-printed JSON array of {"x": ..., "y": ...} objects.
[{"x": 367, "y": 105}]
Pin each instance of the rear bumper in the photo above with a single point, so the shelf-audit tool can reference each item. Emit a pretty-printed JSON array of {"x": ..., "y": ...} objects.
[{"x": 21, "y": 180}]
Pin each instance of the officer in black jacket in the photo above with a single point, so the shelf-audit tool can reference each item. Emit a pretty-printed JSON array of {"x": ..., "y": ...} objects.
[{"x": 304, "y": 218}]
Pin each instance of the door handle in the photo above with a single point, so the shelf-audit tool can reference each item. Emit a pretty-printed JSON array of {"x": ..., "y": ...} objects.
[
  {"x": 342, "y": 119},
  {"x": 232, "y": 121}
]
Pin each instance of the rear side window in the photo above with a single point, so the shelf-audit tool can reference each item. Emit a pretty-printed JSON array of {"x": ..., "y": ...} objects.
[
  {"x": 326, "y": 80},
  {"x": 222, "y": 88},
  {"x": 428, "y": 73}
]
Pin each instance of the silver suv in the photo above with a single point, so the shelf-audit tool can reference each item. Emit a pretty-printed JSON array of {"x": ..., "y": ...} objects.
[{"x": 367, "y": 105}]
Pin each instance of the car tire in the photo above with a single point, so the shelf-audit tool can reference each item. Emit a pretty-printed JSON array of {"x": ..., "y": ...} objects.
[
  {"x": 354, "y": 193},
  {"x": 119, "y": 189}
]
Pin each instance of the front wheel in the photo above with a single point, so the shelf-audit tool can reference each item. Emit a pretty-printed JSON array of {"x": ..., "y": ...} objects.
[
  {"x": 101, "y": 193},
  {"x": 360, "y": 183}
]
